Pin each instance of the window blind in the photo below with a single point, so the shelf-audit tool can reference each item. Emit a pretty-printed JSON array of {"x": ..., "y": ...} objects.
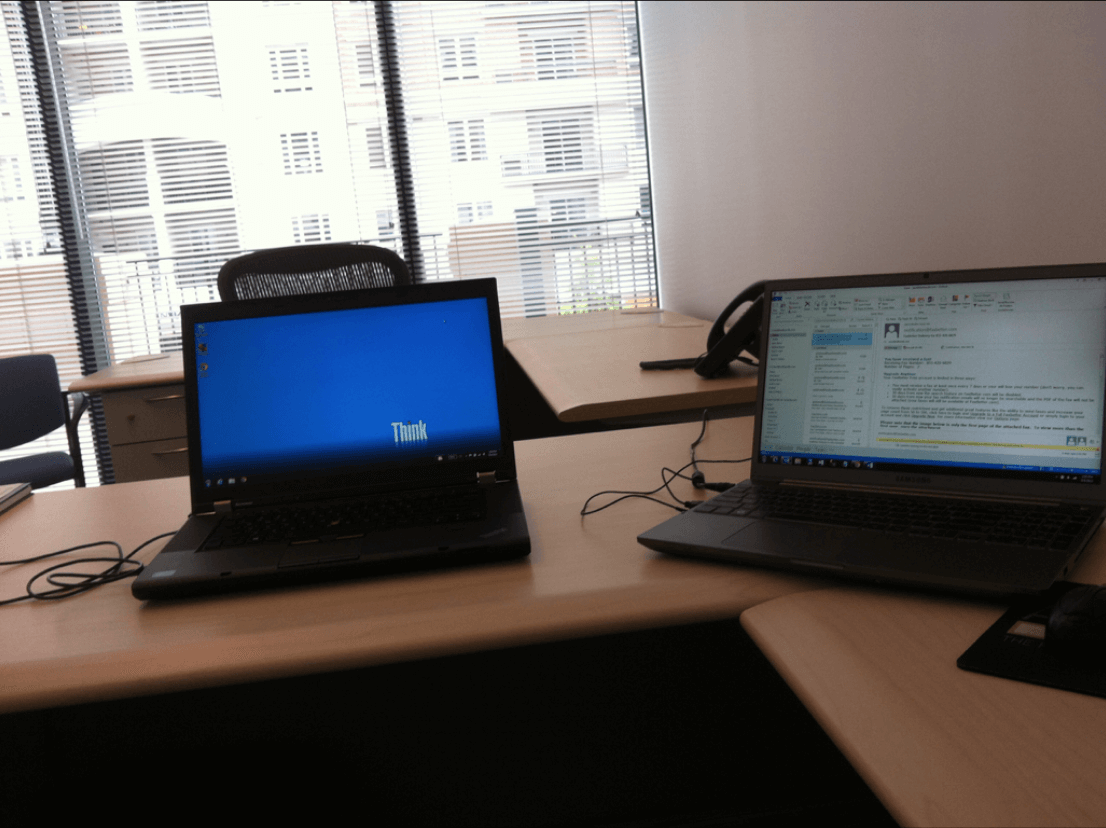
[
  {"x": 198, "y": 131},
  {"x": 475, "y": 139},
  {"x": 528, "y": 162},
  {"x": 36, "y": 310},
  {"x": 203, "y": 130}
]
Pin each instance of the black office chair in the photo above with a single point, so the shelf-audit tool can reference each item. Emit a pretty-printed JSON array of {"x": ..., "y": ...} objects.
[
  {"x": 32, "y": 405},
  {"x": 314, "y": 268}
]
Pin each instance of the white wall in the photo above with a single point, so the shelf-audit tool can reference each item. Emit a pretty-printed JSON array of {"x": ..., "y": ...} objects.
[{"x": 811, "y": 139}]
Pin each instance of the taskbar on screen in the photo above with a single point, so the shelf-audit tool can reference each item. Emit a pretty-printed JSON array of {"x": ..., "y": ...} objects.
[{"x": 1003, "y": 470}]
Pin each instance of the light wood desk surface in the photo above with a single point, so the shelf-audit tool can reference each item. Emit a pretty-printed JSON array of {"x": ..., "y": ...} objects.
[
  {"x": 168, "y": 369},
  {"x": 586, "y": 366},
  {"x": 158, "y": 369},
  {"x": 938, "y": 745},
  {"x": 585, "y": 576}
]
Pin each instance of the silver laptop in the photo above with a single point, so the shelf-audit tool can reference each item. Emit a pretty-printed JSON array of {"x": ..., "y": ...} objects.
[
  {"x": 345, "y": 434},
  {"x": 930, "y": 429}
]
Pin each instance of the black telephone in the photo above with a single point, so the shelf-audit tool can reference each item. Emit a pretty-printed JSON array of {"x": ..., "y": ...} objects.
[{"x": 725, "y": 347}]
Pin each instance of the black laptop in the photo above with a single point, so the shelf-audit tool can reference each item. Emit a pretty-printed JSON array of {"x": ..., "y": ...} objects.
[
  {"x": 941, "y": 430},
  {"x": 343, "y": 434}
]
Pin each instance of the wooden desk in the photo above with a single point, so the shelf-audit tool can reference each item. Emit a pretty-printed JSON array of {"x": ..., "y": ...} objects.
[
  {"x": 144, "y": 410},
  {"x": 938, "y": 745},
  {"x": 586, "y": 366},
  {"x": 594, "y": 683},
  {"x": 585, "y": 576}
]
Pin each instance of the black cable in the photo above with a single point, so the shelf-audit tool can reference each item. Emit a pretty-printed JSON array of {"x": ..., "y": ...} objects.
[
  {"x": 697, "y": 479},
  {"x": 646, "y": 495},
  {"x": 683, "y": 506},
  {"x": 74, "y": 583}
]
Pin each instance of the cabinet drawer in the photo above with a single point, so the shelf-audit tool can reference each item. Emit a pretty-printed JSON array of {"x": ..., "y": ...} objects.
[
  {"x": 141, "y": 414},
  {"x": 150, "y": 461}
]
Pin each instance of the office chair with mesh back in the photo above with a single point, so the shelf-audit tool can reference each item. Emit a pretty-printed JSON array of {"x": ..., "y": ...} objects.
[
  {"x": 315, "y": 268},
  {"x": 32, "y": 405}
]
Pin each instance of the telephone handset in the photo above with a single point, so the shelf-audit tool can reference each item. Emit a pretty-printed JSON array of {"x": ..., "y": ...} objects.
[{"x": 724, "y": 347}]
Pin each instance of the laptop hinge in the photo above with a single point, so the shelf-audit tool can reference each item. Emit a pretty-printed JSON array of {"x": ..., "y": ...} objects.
[
  {"x": 223, "y": 506},
  {"x": 485, "y": 478}
]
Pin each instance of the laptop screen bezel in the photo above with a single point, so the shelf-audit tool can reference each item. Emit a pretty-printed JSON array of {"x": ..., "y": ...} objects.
[
  {"x": 925, "y": 479},
  {"x": 350, "y": 481}
]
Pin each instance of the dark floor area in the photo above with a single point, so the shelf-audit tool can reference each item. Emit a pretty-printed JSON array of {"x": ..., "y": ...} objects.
[{"x": 681, "y": 727}]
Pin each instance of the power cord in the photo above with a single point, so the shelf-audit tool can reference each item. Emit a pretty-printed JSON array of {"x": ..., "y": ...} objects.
[
  {"x": 697, "y": 478},
  {"x": 67, "y": 583}
]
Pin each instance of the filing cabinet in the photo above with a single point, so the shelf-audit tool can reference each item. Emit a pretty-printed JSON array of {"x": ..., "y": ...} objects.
[
  {"x": 143, "y": 402},
  {"x": 146, "y": 431}
]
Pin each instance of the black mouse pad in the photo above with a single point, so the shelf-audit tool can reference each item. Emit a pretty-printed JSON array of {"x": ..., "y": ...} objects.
[{"x": 1014, "y": 647}]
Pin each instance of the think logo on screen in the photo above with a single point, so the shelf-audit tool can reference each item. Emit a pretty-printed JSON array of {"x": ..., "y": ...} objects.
[{"x": 409, "y": 432}]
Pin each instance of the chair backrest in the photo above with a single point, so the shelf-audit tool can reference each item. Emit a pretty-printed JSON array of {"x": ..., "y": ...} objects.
[
  {"x": 317, "y": 268},
  {"x": 31, "y": 402}
]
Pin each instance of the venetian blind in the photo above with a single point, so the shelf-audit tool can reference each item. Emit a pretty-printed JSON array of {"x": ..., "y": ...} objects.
[
  {"x": 526, "y": 136},
  {"x": 199, "y": 131},
  {"x": 475, "y": 139},
  {"x": 36, "y": 312}
]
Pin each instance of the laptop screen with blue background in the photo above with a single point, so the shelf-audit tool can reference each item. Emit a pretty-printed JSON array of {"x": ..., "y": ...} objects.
[{"x": 301, "y": 395}]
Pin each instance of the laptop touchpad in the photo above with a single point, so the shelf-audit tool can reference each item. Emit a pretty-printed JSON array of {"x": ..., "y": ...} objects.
[
  {"x": 312, "y": 553},
  {"x": 819, "y": 543}
]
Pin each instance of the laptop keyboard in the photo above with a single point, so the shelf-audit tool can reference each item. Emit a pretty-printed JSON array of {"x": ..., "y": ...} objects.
[
  {"x": 346, "y": 519},
  {"x": 1053, "y": 526}
]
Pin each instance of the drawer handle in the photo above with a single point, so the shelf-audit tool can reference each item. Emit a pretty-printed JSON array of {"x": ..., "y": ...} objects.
[
  {"x": 169, "y": 451},
  {"x": 166, "y": 398}
]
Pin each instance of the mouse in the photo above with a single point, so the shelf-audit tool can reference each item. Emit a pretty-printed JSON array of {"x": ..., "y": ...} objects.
[{"x": 1078, "y": 619}]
